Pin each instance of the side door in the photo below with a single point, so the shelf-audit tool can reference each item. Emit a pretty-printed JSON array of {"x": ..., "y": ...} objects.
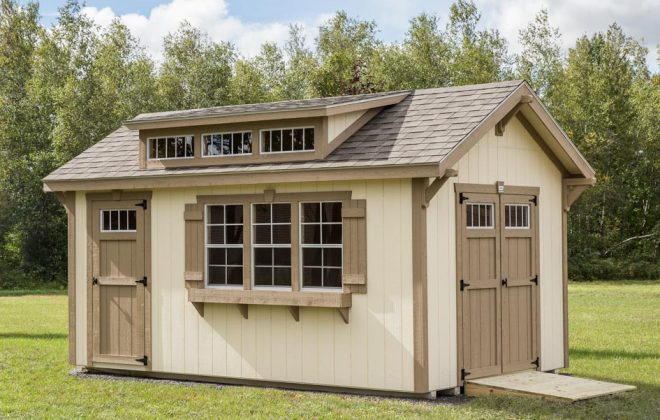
[{"x": 118, "y": 282}]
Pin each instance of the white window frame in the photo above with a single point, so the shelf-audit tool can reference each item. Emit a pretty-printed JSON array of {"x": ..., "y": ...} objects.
[
  {"x": 529, "y": 216},
  {"x": 253, "y": 231},
  {"x": 261, "y": 140},
  {"x": 103, "y": 230},
  {"x": 493, "y": 218},
  {"x": 225, "y": 245},
  {"x": 302, "y": 246},
  {"x": 149, "y": 157},
  {"x": 231, "y": 133}
]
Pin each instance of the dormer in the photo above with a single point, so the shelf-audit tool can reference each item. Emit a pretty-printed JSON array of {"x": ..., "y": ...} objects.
[{"x": 287, "y": 131}]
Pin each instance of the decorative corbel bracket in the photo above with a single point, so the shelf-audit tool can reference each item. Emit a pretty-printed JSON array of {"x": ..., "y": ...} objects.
[
  {"x": 437, "y": 183},
  {"x": 573, "y": 188}
]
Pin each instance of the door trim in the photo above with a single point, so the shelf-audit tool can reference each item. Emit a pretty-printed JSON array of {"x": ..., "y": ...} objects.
[
  {"x": 486, "y": 189},
  {"x": 119, "y": 196}
]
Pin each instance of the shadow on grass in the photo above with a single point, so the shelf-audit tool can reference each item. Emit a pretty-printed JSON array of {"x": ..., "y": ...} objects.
[
  {"x": 31, "y": 292},
  {"x": 612, "y": 354},
  {"x": 46, "y": 336}
]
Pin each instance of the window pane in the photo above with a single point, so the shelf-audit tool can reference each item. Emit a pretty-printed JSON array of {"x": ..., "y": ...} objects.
[
  {"x": 123, "y": 220},
  {"x": 265, "y": 142},
  {"x": 311, "y": 212},
  {"x": 190, "y": 147},
  {"x": 332, "y": 212},
  {"x": 281, "y": 234},
  {"x": 153, "y": 150},
  {"x": 247, "y": 142},
  {"x": 106, "y": 220},
  {"x": 331, "y": 234},
  {"x": 216, "y": 214},
  {"x": 162, "y": 148},
  {"x": 226, "y": 144},
  {"x": 312, "y": 277},
  {"x": 281, "y": 213},
  {"x": 216, "y": 256},
  {"x": 263, "y": 276},
  {"x": 332, "y": 257},
  {"x": 309, "y": 139},
  {"x": 287, "y": 140},
  {"x": 332, "y": 277},
  {"x": 234, "y": 234},
  {"x": 312, "y": 256},
  {"x": 237, "y": 144},
  {"x": 263, "y": 256},
  {"x": 234, "y": 256},
  {"x": 114, "y": 220},
  {"x": 180, "y": 147},
  {"x": 276, "y": 140},
  {"x": 171, "y": 147},
  {"x": 262, "y": 234},
  {"x": 298, "y": 139},
  {"x": 261, "y": 213},
  {"x": 311, "y": 234},
  {"x": 216, "y": 235},
  {"x": 282, "y": 276},
  {"x": 216, "y": 275},
  {"x": 282, "y": 256},
  {"x": 235, "y": 275},
  {"x": 132, "y": 223},
  {"x": 234, "y": 214}
]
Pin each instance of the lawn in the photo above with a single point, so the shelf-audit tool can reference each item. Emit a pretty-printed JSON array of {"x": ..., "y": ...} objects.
[{"x": 615, "y": 336}]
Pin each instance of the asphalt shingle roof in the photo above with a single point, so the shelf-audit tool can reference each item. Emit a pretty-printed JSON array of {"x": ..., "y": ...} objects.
[{"x": 423, "y": 128}]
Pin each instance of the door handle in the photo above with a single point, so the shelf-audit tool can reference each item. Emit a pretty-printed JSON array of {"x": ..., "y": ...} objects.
[{"x": 505, "y": 282}]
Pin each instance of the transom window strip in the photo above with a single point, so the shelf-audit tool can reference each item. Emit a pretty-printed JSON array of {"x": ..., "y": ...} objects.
[
  {"x": 226, "y": 144},
  {"x": 224, "y": 244},
  {"x": 271, "y": 244},
  {"x": 118, "y": 220},
  {"x": 287, "y": 140},
  {"x": 321, "y": 244},
  {"x": 479, "y": 215},
  {"x": 174, "y": 147},
  {"x": 516, "y": 216}
]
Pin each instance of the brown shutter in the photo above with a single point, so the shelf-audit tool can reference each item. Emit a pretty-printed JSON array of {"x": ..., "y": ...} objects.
[
  {"x": 355, "y": 245},
  {"x": 194, "y": 269}
]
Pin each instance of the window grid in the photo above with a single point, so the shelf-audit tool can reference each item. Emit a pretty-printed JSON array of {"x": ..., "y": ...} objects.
[
  {"x": 171, "y": 147},
  {"x": 279, "y": 272},
  {"x": 119, "y": 220},
  {"x": 287, "y": 140},
  {"x": 325, "y": 248},
  {"x": 233, "y": 143},
  {"x": 230, "y": 249},
  {"x": 479, "y": 215},
  {"x": 516, "y": 216}
]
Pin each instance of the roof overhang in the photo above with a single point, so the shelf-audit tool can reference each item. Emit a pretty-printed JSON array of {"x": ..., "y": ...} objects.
[{"x": 241, "y": 117}]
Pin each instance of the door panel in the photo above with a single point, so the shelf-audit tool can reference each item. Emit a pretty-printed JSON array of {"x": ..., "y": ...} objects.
[{"x": 118, "y": 292}]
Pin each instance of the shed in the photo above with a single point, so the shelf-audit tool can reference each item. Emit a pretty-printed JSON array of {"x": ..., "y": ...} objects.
[{"x": 397, "y": 242}]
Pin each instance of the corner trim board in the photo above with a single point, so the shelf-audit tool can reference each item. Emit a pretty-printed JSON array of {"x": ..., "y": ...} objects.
[{"x": 419, "y": 284}]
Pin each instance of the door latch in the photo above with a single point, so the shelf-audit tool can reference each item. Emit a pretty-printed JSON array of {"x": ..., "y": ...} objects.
[
  {"x": 143, "y": 280},
  {"x": 464, "y": 284},
  {"x": 505, "y": 282}
]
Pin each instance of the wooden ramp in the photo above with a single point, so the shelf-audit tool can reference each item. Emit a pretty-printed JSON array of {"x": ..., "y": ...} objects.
[{"x": 543, "y": 385}]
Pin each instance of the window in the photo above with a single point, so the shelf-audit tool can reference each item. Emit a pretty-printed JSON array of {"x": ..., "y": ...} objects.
[
  {"x": 224, "y": 245},
  {"x": 479, "y": 216},
  {"x": 118, "y": 220},
  {"x": 271, "y": 244},
  {"x": 226, "y": 144},
  {"x": 321, "y": 244},
  {"x": 516, "y": 216},
  {"x": 175, "y": 147},
  {"x": 287, "y": 140}
]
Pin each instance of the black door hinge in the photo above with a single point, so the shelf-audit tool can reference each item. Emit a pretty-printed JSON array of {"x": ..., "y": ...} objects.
[
  {"x": 144, "y": 360},
  {"x": 464, "y": 285},
  {"x": 536, "y": 362},
  {"x": 464, "y": 374},
  {"x": 95, "y": 281},
  {"x": 143, "y": 280},
  {"x": 535, "y": 280},
  {"x": 461, "y": 198},
  {"x": 505, "y": 282},
  {"x": 534, "y": 200},
  {"x": 142, "y": 204}
]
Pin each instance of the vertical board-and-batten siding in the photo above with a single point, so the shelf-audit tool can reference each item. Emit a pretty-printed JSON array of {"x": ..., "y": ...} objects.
[
  {"x": 516, "y": 159},
  {"x": 340, "y": 122},
  {"x": 374, "y": 350}
]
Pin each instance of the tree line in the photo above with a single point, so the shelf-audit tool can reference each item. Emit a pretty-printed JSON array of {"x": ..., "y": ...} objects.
[{"x": 65, "y": 87}]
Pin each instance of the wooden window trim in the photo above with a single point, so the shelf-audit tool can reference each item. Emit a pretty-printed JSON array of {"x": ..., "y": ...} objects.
[{"x": 353, "y": 210}]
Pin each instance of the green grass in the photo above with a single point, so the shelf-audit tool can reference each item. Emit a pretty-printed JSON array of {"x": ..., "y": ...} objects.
[{"x": 615, "y": 336}]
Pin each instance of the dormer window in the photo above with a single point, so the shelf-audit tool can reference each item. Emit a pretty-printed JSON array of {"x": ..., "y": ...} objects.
[
  {"x": 227, "y": 144},
  {"x": 174, "y": 147},
  {"x": 284, "y": 140}
]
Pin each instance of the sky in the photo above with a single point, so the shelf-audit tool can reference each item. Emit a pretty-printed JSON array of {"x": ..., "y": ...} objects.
[{"x": 249, "y": 23}]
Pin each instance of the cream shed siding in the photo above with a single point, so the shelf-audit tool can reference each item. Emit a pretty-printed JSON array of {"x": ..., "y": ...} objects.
[
  {"x": 340, "y": 122},
  {"x": 373, "y": 351},
  {"x": 516, "y": 159}
]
